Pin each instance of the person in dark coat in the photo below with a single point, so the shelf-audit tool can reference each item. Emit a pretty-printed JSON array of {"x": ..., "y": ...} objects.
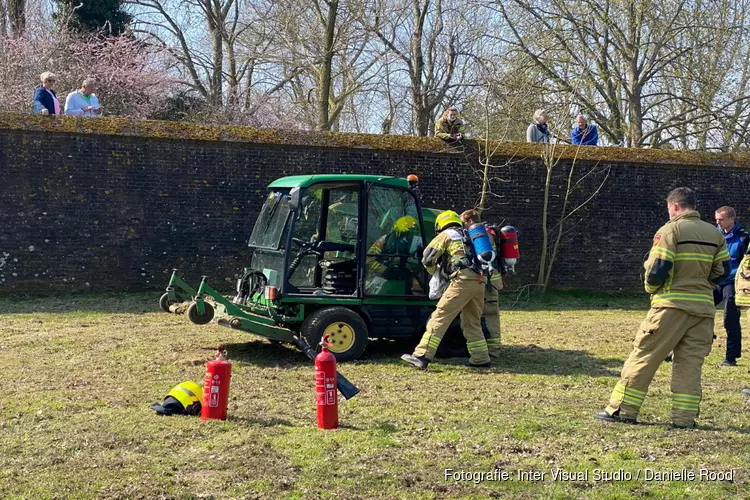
[
  {"x": 737, "y": 240},
  {"x": 45, "y": 99},
  {"x": 584, "y": 133}
]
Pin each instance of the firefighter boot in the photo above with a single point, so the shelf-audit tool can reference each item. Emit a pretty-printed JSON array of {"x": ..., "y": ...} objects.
[
  {"x": 416, "y": 361},
  {"x": 482, "y": 365},
  {"x": 614, "y": 417},
  {"x": 684, "y": 426}
]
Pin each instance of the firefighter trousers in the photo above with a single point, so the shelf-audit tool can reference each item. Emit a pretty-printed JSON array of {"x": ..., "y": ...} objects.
[
  {"x": 491, "y": 315},
  {"x": 664, "y": 330},
  {"x": 464, "y": 296}
]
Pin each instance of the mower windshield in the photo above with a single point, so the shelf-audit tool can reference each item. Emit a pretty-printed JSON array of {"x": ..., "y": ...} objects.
[{"x": 271, "y": 222}]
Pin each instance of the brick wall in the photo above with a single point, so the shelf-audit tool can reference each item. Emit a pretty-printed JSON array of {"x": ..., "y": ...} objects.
[{"x": 113, "y": 205}]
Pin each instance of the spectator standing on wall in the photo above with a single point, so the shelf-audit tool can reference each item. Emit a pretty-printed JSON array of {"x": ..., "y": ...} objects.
[
  {"x": 45, "y": 99},
  {"x": 584, "y": 134},
  {"x": 539, "y": 130},
  {"x": 84, "y": 102},
  {"x": 737, "y": 240},
  {"x": 450, "y": 127}
]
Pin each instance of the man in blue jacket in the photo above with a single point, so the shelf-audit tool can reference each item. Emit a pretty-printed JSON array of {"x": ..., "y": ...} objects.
[
  {"x": 737, "y": 243},
  {"x": 584, "y": 134}
]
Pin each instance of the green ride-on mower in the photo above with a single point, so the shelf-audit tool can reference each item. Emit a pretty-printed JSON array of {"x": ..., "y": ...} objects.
[{"x": 335, "y": 255}]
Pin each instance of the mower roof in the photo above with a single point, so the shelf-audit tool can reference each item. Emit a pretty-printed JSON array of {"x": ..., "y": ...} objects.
[{"x": 303, "y": 181}]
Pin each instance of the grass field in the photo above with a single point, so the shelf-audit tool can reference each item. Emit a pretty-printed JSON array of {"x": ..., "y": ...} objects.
[{"x": 80, "y": 373}]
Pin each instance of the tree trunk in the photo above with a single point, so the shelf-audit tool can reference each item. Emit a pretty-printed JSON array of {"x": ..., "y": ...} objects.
[
  {"x": 324, "y": 81},
  {"x": 635, "y": 112},
  {"x": 3, "y": 19},
  {"x": 548, "y": 159},
  {"x": 421, "y": 119},
  {"x": 17, "y": 16},
  {"x": 232, "y": 79},
  {"x": 217, "y": 66}
]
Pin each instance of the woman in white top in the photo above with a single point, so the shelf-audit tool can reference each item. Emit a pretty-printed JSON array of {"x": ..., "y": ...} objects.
[{"x": 84, "y": 102}]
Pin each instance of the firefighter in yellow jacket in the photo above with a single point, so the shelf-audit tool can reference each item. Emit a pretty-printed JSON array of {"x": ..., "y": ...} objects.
[
  {"x": 465, "y": 296},
  {"x": 742, "y": 282},
  {"x": 687, "y": 260},
  {"x": 491, "y": 310},
  {"x": 399, "y": 264}
]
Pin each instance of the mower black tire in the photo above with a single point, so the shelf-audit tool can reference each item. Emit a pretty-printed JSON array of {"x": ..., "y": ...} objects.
[
  {"x": 198, "y": 318},
  {"x": 164, "y": 302},
  {"x": 321, "y": 320}
]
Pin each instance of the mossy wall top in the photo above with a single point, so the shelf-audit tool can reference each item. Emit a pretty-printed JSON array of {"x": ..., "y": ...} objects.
[
  {"x": 232, "y": 133},
  {"x": 113, "y": 204}
]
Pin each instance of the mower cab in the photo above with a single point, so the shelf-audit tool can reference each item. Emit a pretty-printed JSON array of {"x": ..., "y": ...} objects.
[{"x": 336, "y": 255}]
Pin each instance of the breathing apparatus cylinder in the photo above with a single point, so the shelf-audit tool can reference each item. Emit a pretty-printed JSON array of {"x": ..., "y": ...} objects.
[
  {"x": 509, "y": 246},
  {"x": 481, "y": 242}
]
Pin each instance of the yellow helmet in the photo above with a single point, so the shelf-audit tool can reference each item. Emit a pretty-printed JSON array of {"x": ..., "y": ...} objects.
[
  {"x": 405, "y": 224},
  {"x": 183, "y": 399},
  {"x": 447, "y": 218}
]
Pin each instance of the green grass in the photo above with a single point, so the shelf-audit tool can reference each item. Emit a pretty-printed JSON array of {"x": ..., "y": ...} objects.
[{"x": 80, "y": 373}]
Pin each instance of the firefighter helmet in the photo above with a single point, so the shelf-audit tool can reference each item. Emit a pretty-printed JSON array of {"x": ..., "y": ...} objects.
[
  {"x": 405, "y": 224},
  {"x": 183, "y": 399},
  {"x": 447, "y": 218}
]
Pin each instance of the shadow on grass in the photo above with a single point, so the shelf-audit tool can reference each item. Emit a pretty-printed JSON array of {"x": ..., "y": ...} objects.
[
  {"x": 514, "y": 359},
  {"x": 130, "y": 303},
  {"x": 571, "y": 301},
  {"x": 263, "y": 422},
  {"x": 147, "y": 302}
]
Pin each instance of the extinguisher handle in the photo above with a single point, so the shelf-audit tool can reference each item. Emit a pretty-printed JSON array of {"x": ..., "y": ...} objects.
[{"x": 221, "y": 353}]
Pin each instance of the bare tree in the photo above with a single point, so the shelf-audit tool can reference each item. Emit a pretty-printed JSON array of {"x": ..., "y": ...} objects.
[
  {"x": 172, "y": 25},
  {"x": 708, "y": 87},
  {"x": 615, "y": 57},
  {"x": 555, "y": 228},
  {"x": 426, "y": 36}
]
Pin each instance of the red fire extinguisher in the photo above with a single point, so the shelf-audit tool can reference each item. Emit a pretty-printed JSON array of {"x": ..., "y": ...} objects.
[
  {"x": 509, "y": 247},
  {"x": 326, "y": 392},
  {"x": 216, "y": 387}
]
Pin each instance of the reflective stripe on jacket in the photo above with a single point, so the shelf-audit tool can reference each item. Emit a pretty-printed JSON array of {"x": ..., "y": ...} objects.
[
  {"x": 686, "y": 262},
  {"x": 449, "y": 243},
  {"x": 742, "y": 283}
]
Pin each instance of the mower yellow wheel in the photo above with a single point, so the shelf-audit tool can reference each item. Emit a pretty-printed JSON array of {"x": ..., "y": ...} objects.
[
  {"x": 340, "y": 335},
  {"x": 346, "y": 330}
]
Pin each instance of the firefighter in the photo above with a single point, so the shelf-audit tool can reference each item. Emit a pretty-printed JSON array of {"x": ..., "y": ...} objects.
[
  {"x": 398, "y": 247},
  {"x": 491, "y": 310},
  {"x": 687, "y": 260},
  {"x": 465, "y": 295},
  {"x": 183, "y": 399},
  {"x": 742, "y": 282}
]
